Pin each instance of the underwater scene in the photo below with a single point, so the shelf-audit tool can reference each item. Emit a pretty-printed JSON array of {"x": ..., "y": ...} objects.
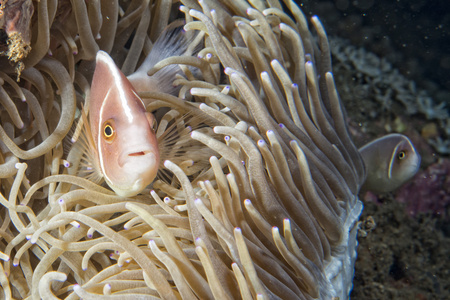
[
  {"x": 213, "y": 149},
  {"x": 397, "y": 57}
]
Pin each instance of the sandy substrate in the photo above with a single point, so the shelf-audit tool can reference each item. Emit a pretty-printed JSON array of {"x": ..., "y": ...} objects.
[{"x": 402, "y": 257}]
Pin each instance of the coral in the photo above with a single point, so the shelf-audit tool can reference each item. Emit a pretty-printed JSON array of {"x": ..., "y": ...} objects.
[{"x": 428, "y": 191}]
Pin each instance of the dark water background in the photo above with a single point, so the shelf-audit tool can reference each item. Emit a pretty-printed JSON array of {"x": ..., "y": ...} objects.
[{"x": 413, "y": 34}]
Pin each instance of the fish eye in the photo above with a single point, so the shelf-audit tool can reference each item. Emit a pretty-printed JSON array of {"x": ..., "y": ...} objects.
[
  {"x": 401, "y": 155},
  {"x": 108, "y": 132}
]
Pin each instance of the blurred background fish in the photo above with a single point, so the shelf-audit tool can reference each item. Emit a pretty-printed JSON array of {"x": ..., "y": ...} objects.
[{"x": 390, "y": 161}]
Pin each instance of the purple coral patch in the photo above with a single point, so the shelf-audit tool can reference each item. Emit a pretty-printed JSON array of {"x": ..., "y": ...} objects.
[{"x": 428, "y": 191}]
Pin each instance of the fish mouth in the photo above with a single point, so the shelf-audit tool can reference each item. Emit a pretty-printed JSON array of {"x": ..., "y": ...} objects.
[
  {"x": 139, "y": 153},
  {"x": 124, "y": 157}
]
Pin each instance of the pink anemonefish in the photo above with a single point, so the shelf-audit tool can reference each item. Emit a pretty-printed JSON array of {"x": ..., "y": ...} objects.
[
  {"x": 390, "y": 161},
  {"x": 118, "y": 142}
]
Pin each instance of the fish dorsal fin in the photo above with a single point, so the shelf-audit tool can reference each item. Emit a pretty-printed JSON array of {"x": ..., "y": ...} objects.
[{"x": 173, "y": 41}]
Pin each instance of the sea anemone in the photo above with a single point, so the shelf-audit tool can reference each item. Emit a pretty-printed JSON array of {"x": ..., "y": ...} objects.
[{"x": 273, "y": 212}]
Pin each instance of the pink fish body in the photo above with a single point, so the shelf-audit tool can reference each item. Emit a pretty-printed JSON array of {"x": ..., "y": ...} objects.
[
  {"x": 390, "y": 161},
  {"x": 118, "y": 142},
  {"x": 122, "y": 130}
]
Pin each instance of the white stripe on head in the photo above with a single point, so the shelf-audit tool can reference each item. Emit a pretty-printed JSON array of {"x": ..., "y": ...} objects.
[
  {"x": 134, "y": 92},
  {"x": 118, "y": 83},
  {"x": 99, "y": 137}
]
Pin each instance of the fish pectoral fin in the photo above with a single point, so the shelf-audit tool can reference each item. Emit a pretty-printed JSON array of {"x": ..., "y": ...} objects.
[
  {"x": 151, "y": 120},
  {"x": 83, "y": 143}
]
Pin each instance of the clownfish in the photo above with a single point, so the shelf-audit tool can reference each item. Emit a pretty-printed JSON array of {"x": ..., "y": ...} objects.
[
  {"x": 118, "y": 141},
  {"x": 122, "y": 130},
  {"x": 390, "y": 161}
]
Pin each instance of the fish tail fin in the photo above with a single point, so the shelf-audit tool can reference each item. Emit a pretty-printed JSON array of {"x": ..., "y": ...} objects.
[{"x": 173, "y": 41}]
